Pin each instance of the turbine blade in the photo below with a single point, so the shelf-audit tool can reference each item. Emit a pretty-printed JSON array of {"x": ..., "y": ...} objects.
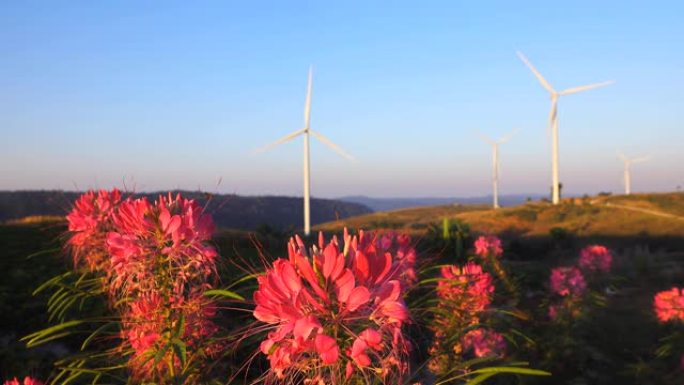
[
  {"x": 486, "y": 138},
  {"x": 307, "y": 103},
  {"x": 508, "y": 136},
  {"x": 641, "y": 159},
  {"x": 622, "y": 156},
  {"x": 575, "y": 90},
  {"x": 280, "y": 141},
  {"x": 536, "y": 73},
  {"x": 330, "y": 144}
]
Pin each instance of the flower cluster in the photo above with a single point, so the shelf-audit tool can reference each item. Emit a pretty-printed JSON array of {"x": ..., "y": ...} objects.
[
  {"x": 146, "y": 326},
  {"x": 669, "y": 305},
  {"x": 27, "y": 381},
  {"x": 488, "y": 245},
  {"x": 89, "y": 222},
  {"x": 484, "y": 343},
  {"x": 156, "y": 263},
  {"x": 337, "y": 310},
  {"x": 468, "y": 286},
  {"x": 571, "y": 282},
  {"x": 488, "y": 249},
  {"x": 464, "y": 293},
  {"x": 161, "y": 243},
  {"x": 568, "y": 281},
  {"x": 595, "y": 258}
]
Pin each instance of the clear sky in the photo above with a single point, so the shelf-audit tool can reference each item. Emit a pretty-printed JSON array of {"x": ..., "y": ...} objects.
[{"x": 162, "y": 95}]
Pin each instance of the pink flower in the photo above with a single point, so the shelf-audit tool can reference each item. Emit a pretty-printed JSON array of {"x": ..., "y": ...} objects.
[
  {"x": 595, "y": 258},
  {"x": 568, "y": 281},
  {"x": 484, "y": 343},
  {"x": 568, "y": 308},
  {"x": 89, "y": 221},
  {"x": 327, "y": 349},
  {"x": 553, "y": 312},
  {"x": 669, "y": 305},
  {"x": 143, "y": 322},
  {"x": 174, "y": 229},
  {"x": 90, "y": 209},
  {"x": 318, "y": 300},
  {"x": 149, "y": 318},
  {"x": 468, "y": 285},
  {"x": 27, "y": 381},
  {"x": 367, "y": 340},
  {"x": 488, "y": 245}
]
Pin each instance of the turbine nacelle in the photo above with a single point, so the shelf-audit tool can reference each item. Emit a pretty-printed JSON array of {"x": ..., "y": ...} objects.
[{"x": 629, "y": 161}]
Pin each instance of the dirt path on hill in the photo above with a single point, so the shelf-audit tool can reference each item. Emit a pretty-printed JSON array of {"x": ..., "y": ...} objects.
[{"x": 642, "y": 210}]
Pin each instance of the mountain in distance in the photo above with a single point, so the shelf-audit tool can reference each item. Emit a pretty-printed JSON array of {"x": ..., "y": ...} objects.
[
  {"x": 228, "y": 210},
  {"x": 387, "y": 204}
]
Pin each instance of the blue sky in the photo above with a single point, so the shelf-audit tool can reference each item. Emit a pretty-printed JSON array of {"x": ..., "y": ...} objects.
[{"x": 178, "y": 94}]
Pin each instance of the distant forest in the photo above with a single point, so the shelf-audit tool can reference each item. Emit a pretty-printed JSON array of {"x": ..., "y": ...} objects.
[{"x": 229, "y": 211}]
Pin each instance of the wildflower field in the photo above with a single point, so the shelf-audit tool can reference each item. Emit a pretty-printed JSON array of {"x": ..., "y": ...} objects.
[{"x": 147, "y": 291}]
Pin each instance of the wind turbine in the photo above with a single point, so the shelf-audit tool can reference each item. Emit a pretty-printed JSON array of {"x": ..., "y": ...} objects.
[
  {"x": 305, "y": 132},
  {"x": 495, "y": 163},
  {"x": 628, "y": 163},
  {"x": 553, "y": 120}
]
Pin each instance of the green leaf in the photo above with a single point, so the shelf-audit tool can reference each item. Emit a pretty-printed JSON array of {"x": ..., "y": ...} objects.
[
  {"x": 243, "y": 279},
  {"x": 48, "y": 334},
  {"x": 479, "y": 379},
  {"x": 160, "y": 354},
  {"x": 48, "y": 251},
  {"x": 180, "y": 350},
  {"x": 179, "y": 330},
  {"x": 512, "y": 370},
  {"x": 223, "y": 293},
  {"x": 497, "y": 370},
  {"x": 94, "y": 334},
  {"x": 52, "y": 281}
]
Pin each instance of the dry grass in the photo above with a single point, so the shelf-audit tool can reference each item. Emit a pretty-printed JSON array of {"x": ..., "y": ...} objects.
[
  {"x": 36, "y": 219},
  {"x": 412, "y": 220},
  {"x": 581, "y": 216}
]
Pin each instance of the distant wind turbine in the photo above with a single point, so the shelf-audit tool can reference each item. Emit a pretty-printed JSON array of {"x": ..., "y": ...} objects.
[
  {"x": 306, "y": 131},
  {"x": 495, "y": 163},
  {"x": 553, "y": 120},
  {"x": 628, "y": 163}
]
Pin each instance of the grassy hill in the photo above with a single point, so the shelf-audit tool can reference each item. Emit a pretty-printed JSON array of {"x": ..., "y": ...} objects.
[{"x": 641, "y": 214}]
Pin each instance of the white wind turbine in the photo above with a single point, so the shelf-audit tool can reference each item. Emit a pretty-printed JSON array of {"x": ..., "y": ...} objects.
[
  {"x": 627, "y": 172},
  {"x": 495, "y": 163},
  {"x": 553, "y": 120},
  {"x": 306, "y": 131}
]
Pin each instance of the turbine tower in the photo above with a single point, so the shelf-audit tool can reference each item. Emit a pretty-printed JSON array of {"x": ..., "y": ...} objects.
[
  {"x": 305, "y": 132},
  {"x": 627, "y": 172},
  {"x": 495, "y": 163},
  {"x": 553, "y": 120}
]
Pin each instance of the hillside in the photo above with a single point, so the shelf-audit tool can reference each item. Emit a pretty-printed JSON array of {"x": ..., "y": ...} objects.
[
  {"x": 640, "y": 214},
  {"x": 229, "y": 211}
]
